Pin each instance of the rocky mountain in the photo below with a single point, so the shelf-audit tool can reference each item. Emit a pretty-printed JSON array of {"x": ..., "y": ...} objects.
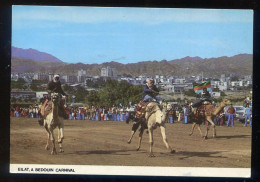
[
  {"x": 33, "y": 54},
  {"x": 188, "y": 66}
]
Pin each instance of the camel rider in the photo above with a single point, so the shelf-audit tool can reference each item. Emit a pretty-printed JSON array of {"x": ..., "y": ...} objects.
[
  {"x": 54, "y": 86},
  {"x": 204, "y": 96},
  {"x": 150, "y": 92}
]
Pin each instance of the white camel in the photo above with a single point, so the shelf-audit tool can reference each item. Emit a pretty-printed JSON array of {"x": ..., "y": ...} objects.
[
  {"x": 155, "y": 117},
  {"x": 51, "y": 121}
]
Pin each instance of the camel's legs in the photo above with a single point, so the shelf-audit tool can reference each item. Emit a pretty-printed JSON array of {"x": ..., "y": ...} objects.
[
  {"x": 213, "y": 125},
  {"x": 200, "y": 130},
  {"x": 165, "y": 138},
  {"x": 192, "y": 128},
  {"x": 140, "y": 138},
  {"x": 53, "y": 142},
  {"x": 150, "y": 130},
  {"x": 134, "y": 128},
  {"x": 60, "y": 132},
  {"x": 47, "y": 145},
  {"x": 130, "y": 139},
  {"x": 206, "y": 134},
  {"x": 60, "y": 138}
]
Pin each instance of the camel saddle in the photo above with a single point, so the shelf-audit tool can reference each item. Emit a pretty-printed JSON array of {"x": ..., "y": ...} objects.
[
  {"x": 142, "y": 108},
  {"x": 204, "y": 110},
  {"x": 47, "y": 107}
]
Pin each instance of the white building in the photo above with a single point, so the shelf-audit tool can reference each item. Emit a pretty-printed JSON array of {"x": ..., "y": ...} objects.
[
  {"x": 180, "y": 80},
  {"x": 215, "y": 83},
  {"x": 223, "y": 87},
  {"x": 216, "y": 94},
  {"x": 41, "y": 76},
  {"x": 81, "y": 76},
  {"x": 40, "y": 95},
  {"x": 108, "y": 72},
  {"x": 82, "y": 72},
  {"x": 69, "y": 78}
]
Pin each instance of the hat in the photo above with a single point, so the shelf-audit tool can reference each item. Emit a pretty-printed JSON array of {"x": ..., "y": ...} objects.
[
  {"x": 56, "y": 76},
  {"x": 150, "y": 80}
]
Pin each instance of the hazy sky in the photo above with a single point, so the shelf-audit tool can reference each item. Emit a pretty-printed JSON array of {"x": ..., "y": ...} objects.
[{"x": 129, "y": 35}]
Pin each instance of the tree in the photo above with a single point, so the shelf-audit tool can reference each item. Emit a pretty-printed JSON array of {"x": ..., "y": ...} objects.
[
  {"x": 36, "y": 85},
  {"x": 68, "y": 89},
  {"x": 19, "y": 84},
  {"x": 90, "y": 83},
  {"x": 13, "y": 100},
  {"x": 234, "y": 78},
  {"x": 93, "y": 98},
  {"x": 222, "y": 94},
  {"x": 115, "y": 93},
  {"x": 81, "y": 94},
  {"x": 190, "y": 92}
]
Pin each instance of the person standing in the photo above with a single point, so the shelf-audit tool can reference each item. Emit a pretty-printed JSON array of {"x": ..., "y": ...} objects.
[
  {"x": 186, "y": 113},
  {"x": 221, "y": 117},
  {"x": 171, "y": 114},
  {"x": 247, "y": 114},
  {"x": 231, "y": 112}
]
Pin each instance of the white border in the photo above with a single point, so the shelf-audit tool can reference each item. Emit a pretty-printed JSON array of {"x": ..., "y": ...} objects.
[{"x": 130, "y": 170}]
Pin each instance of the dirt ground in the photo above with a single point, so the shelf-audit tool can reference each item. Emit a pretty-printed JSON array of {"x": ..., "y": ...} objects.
[{"x": 105, "y": 143}]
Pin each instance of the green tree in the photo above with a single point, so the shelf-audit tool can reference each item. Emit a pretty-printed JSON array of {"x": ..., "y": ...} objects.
[
  {"x": 36, "y": 85},
  {"x": 122, "y": 92},
  {"x": 234, "y": 78},
  {"x": 13, "y": 100},
  {"x": 19, "y": 84},
  {"x": 190, "y": 92},
  {"x": 90, "y": 83},
  {"x": 68, "y": 89},
  {"x": 222, "y": 94},
  {"x": 93, "y": 98},
  {"x": 99, "y": 83},
  {"x": 81, "y": 94}
]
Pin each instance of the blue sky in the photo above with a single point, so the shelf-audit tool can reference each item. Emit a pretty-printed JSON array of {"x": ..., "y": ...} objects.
[{"x": 128, "y": 35}]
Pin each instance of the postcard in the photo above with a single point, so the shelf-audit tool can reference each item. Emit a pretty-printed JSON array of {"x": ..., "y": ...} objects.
[{"x": 131, "y": 91}]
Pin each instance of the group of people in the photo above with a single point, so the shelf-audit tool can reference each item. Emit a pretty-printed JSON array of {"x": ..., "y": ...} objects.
[
  {"x": 97, "y": 113},
  {"x": 26, "y": 112},
  {"x": 150, "y": 93}
]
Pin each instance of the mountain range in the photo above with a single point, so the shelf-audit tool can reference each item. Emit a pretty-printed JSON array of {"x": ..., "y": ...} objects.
[
  {"x": 30, "y": 60},
  {"x": 33, "y": 54}
]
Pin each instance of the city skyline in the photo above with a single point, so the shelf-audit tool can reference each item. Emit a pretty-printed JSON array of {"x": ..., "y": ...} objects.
[{"x": 129, "y": 35}]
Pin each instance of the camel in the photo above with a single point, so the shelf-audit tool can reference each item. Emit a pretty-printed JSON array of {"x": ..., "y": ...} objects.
[
  {"x": 51, "y": 121},
  {"x": 210, "y": 114},
  {"x": 154, "y": 117}
]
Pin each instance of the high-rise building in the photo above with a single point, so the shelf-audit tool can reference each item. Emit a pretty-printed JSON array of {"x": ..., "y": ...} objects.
[
  {"x": 82, "y": 72},
  {"x": 81, "y": 76},
  {"x": 108, "y": 72}
]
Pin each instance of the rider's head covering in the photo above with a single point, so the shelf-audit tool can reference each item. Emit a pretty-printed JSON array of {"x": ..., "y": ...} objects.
[
  {"x": 56, "y": 78},
  {"x": 150, "y": 80}
]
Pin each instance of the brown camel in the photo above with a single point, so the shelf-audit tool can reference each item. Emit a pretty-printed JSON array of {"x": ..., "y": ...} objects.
[{"x": 210, "y": 113}]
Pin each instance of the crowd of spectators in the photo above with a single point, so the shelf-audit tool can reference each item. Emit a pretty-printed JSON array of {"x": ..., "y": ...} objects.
[
  {"x": 178, "y": 113},
  {"x": 96, "y": 113},
  {"x": 32, "y": 111}
]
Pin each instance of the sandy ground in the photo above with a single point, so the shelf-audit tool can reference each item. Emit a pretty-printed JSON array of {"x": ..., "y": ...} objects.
[{"x": 105, "y": 143}]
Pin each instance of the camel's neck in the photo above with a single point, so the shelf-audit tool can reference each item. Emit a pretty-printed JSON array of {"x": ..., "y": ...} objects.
[
  {"x": 219, "y": 108},
  {"x": 55, "y": 111}
]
